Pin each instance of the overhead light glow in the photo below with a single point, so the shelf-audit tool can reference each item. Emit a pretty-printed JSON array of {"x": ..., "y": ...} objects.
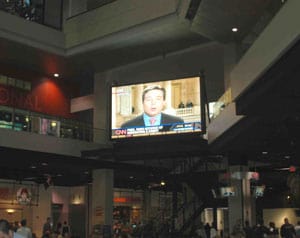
[
  {"x": 10, "y": 211},
  {"x": 234, "y": 29},
  {"x": 56, "y": 75}
]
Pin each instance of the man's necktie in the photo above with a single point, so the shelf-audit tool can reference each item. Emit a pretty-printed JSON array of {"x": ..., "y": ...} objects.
[{"x": 152, "y": 121}]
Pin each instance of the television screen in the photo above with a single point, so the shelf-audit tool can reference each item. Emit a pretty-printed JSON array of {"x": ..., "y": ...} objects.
[
  {"x": 227, "y": 191},
  {"x": 259, "y": 191},
  {"x": 157, "y": 108}
]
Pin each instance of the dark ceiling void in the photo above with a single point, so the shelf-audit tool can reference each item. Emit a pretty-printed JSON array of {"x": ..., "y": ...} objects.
[
  {"x": 24, "y": 165},
  {"x": 277, "y": 92},
  {"x": 271, "y": 109},
  {"x": 268, "y": 136},
  {"x": 160, "y": 147}
]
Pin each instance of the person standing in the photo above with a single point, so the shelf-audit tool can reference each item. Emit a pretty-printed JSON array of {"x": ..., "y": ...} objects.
[
  {"x": 207, "y": 230},
  {"x": 6, "y": 232},
  {"x": 47, "y": 228},
  {"x": 248, "y": 230},
  {"x": 287, "y": 230},
  {"x": 272, "y": 230},
  {"x": 65, "y": 229},
  {"x": 200, "y": 231},
  {"x": 24, "y": 230},
  {"x": 297, "y": 229},
  {"x": 154, "y": 101}
]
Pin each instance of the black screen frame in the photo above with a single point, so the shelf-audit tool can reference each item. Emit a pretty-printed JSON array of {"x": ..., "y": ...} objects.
[{"x": 161, "y": 136}]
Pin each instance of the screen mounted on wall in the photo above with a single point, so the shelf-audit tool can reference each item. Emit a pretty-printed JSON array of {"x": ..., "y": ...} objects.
[{"x": 157, "y": 108}]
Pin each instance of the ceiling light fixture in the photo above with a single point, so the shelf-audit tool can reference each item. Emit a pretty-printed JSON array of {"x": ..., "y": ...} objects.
[
  {"x": 234, "y": 29},
  {"x": 56, "y": 75},
  {"x": 10, "y": 211},
  {"x": 162, "y": 183}
]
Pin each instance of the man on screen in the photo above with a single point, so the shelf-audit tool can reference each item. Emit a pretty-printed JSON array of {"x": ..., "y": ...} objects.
[{"x": 154, "y": 101}]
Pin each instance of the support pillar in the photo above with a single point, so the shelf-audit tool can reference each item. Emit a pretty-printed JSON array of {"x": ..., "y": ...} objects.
[
  {"x": 241, "y": 206},
  {"x": 101, "y": 213}
]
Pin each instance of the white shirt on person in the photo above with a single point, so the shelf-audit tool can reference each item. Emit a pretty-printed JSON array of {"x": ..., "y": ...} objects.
[
  {"x": 24, "y": 232},
  {"x": 17, "y": 235},
  {"x": 213, "y": 232}
]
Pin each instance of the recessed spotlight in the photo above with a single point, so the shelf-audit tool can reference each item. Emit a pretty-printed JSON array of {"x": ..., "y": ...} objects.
[
  {"x": 56, "y": 75},
  {"x": 162, "y": 183},
  {"x": 264, "y": 152},
  {"x": 234, "y": 29},
  {"x": 131, "y": 177},
  {"x": 33, "y": 167}
]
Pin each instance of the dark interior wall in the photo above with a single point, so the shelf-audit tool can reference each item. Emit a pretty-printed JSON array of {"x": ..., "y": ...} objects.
[
  {"x": 53, "y": 13},
  {"x": 91, "y": 4},
  {"x": 181, "y": 64},
  {"x": 77, "y": 220}
]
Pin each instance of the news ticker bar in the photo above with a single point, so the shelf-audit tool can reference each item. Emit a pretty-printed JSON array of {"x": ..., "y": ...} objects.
[{"x": 157, "y": 130}]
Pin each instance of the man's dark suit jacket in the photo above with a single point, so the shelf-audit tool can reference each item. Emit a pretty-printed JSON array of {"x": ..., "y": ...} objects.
[{"x": 166, "y": 119}]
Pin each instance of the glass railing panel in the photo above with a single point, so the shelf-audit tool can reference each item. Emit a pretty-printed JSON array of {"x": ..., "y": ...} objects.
[
  {"x": 45, "y": 12},
  {"x": 215, "y": 108},
  {"x": 22, "y": 120}
]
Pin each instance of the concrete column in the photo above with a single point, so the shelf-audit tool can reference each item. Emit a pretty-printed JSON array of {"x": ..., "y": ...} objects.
[
  {"x": 102, "y": 94},
  {"x": 102, "y": 198},
  {"x": 241, "y": 205}
]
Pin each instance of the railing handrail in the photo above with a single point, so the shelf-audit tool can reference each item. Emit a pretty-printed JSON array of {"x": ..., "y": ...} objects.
[{"x": 45, "y": 124}]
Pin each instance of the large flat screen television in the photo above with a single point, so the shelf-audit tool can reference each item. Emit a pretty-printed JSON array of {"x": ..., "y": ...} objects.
[{"x": 157, "y": 108}]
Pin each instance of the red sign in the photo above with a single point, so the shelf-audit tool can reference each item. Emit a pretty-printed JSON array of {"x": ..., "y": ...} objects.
[
  {"x": 127, "y": 199},
  {"x": 46, "y": 98}
]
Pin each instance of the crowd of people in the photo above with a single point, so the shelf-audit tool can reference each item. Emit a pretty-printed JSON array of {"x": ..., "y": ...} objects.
[
  {"x": 61, "y": 230},
  {"x": 21, "y": 230},
  {"x": 260, "y": 230},
  {"x": 240, "y": 230}
]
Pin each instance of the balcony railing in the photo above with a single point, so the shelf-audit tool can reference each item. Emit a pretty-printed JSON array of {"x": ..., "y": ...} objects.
[
  {"x": 217, "y": 107},
  {"x": 45, "y": 12},
  {"x": 20, "y": 120}
]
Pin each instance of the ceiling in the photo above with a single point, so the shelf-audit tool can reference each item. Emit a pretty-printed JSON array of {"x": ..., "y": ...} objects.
[
  {"x": 268, "y": 135},
  {"x": 205, "y": 21}
]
